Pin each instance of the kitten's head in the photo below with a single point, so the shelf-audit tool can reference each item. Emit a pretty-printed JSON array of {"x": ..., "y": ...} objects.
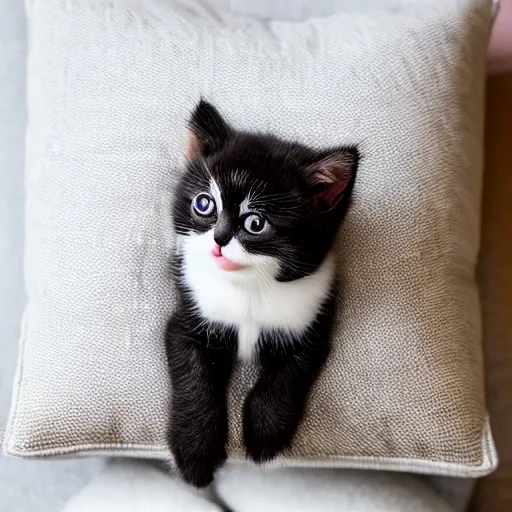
[{"x": 252, "y": 204}]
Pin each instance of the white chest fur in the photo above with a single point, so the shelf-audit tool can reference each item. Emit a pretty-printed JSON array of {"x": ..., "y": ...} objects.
[{"x": 252, "y": 300}]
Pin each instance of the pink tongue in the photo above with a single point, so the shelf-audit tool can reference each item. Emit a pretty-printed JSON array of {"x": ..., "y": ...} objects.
[
  {"x": 226, "y": 264},
  {"x": 217, "y": 251}
]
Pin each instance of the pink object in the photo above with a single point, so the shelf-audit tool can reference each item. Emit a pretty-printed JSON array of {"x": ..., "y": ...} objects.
[
  {"x": 217, "y": 250},
  {"x": 223, "y": 262},
  {"x": 226, "y": 264}
]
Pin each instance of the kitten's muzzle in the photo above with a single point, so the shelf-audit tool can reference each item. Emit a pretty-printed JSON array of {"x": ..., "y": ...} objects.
[
  {"x": 225, "y": 228},
  {"x": 222, "y": 262}
]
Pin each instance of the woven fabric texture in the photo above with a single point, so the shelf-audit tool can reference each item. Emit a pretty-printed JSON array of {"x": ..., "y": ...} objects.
[{"x": 111, "y": 84}]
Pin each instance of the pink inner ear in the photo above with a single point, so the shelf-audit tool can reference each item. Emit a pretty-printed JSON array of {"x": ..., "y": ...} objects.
[
  {"x": 331, "y": 176},
  {"x": 331, "y": 194},
  {"x": 192, "y": 146}
]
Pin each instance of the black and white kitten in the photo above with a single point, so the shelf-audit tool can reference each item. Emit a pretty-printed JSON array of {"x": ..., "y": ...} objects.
[{"x": 255, "y": 217}]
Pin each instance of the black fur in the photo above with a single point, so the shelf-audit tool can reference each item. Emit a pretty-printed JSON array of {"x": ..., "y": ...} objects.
[
  {"x": 304, "y": 208},
  {"x": 200, "y": 361},
  {"x": 274, "y": 407}
]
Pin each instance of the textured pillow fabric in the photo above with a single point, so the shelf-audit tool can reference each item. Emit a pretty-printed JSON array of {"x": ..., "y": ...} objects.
[{"x": 111, "y": 84}]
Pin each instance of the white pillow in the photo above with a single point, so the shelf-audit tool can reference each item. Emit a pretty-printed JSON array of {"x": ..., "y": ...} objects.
[{"x": 111, "y": 84}]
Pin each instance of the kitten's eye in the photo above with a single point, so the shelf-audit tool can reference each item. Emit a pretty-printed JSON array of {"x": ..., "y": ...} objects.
[
  {"x": 255, "y": 224},
  {"x": 203, "y": 204}
]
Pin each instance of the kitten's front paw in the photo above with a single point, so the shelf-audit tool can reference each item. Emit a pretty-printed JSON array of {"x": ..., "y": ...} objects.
[
  {"x": 269, "y": 425},
  {"x": 197, "y": 460}
]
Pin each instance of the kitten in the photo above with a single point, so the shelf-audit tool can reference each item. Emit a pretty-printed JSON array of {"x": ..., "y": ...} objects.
[{"x": 255, "y": 218}]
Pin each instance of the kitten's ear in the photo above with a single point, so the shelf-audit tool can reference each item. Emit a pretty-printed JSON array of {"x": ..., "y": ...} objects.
[
  {"x": 331, "y": 175},
  {"x": 208, "y": 131}
]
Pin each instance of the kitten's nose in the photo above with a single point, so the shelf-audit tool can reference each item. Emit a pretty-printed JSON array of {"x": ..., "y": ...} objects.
[{"x": 224, "y": 228}]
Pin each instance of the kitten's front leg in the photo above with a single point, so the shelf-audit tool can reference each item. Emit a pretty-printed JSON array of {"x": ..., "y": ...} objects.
[
  {"x": 274, "y": 407},
  {"x": 200, "y": 366}
]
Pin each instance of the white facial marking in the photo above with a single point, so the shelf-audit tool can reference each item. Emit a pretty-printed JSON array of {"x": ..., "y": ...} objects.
[
  {"x": 250, "y": 299},
  {"x": 215, "y": 192}
]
